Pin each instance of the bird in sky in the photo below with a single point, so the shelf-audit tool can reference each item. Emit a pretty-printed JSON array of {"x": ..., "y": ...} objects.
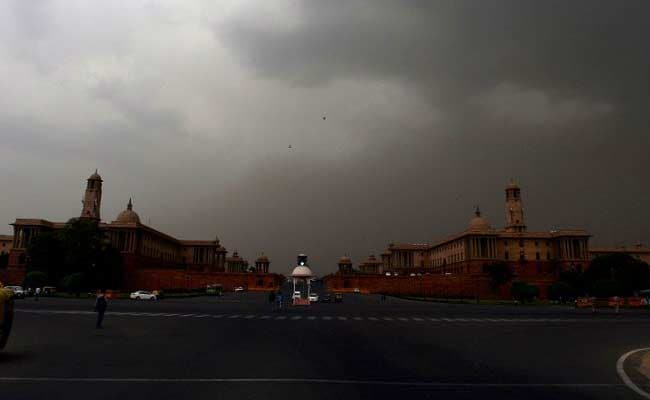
[
  {"x": 324, "y": 118},
  {"x": 290, "y": 147}
]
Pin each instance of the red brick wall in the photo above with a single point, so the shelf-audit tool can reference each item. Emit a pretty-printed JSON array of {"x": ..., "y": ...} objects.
[
  {"x": 453, "y": 286},
  {"x": 154, "y": 279}
]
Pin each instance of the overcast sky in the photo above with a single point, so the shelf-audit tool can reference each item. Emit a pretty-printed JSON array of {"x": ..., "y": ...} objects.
[{"x": 430, "y": 107}]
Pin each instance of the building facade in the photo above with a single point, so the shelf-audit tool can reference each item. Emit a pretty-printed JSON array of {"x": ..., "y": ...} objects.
[
  {"x": 638, "y": 251},
  {"x": 141, "y": 246},
  {"x": 529, "y": 253}
]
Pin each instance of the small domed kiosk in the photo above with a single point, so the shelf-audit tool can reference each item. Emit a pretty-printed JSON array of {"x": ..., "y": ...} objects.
[{"x": 301, "y": 276}]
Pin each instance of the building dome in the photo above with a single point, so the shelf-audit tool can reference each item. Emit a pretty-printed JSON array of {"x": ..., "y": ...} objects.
[
  {"x": 478, "y": 223},
  {"x": 302, "y": 271},
  {"x": 128, "y": 215},
  {"x": 262, "y": 258},
  {"x": 95, "y": 177},
  {"x": 345, "y": 260}
]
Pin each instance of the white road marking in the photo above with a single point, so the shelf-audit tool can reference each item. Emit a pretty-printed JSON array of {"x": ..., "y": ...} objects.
[
  {"x": 265, "y": 317},
  {"x": 626, "y": 379},
  {"x": 373, "y": 319},
  {"x": 281, "y": 317},
  {"x": 311, "y": 318},
  {"x": 402, "y": 319},
  {"x": 296, "y": 317},
  {"x": 433, "y": 319},
  {"x": 327, "y": 318},
  {"x": 219, "y": 316},
  {"x": 187, "y": 315},
  {"x": 250, "y": 316},
  {"x": 235, "y": 316},
  {"x": 417, "y": 319},
  {"x": 357, "y": 319},
  {"x": 308, "y": 380},
  {"x": 342, "y": 318},
  {"x": 388, "y": 319}
]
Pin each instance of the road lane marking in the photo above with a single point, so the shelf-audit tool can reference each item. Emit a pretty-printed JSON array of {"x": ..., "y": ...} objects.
[
  {"x": 357, "y": 319},
  {"x": 219, "y": 316},
  {"x": 342, "y": 318},
  {"x": 327, "y": 318},
  {"x": 296, "y": 317},
  {"x": 235, "y": 316},
  {"x": 402, "y": 319},
  {"x": 388, "y": 319},
  {"x": 620, "y": 364},
  {"x": 310, "y": 380},
  {"x": 281, "y": 317},
  {"x": 250, "y": 316},
  {"x": 373, "y": 319},
  {"x": 417, "y": 319},
  {"x": 265, "y": 317},
  {"x": 311, "y": 318},
  {"x": 187, "y": 315}
]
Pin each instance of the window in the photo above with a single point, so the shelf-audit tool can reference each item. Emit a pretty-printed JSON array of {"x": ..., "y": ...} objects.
[
  {"x": 505, "y": 243},
  {"x": 507, "y": 255},
  {"x": 536, "y": 243},
  {"x": 521, "y": 243},
  {"x": 537, "y": 256},
  {"x": 548, "y": 255}
]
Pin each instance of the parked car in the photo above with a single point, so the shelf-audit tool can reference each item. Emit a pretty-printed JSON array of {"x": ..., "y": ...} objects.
[
  {"x": 296, "y": 295},
  {"x": 18, "y": 291},
  {"x": 143, "y": 295},
  {"x": 338, "y": 298},
  {"x": 356, "y": 290},
  {"x": 48, "y": 291},
  {"x": 239, "y": 289},
  {"x": 327, "y": 298},
  {"x": 313, "y": 298}
]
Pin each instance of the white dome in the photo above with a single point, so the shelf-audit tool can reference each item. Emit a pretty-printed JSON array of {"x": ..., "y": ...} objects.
[{"x": 302, "y": 271}]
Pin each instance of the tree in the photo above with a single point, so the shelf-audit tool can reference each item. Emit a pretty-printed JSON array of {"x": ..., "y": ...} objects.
[
  {"x": 499, "y": 273},
  {"x": 575, "y": 279},
  {"x": 81, "y": 248},
  {"x": 35, "y": 279},
  {"x": 74, "y": 283},
  {"x": 628, "y": 273},
  {"x": 605, "y": 288},
  {"x": 46, "y": 254},
  {"x": 524, "y": 291},
  {"x": 561, "y": 290}
]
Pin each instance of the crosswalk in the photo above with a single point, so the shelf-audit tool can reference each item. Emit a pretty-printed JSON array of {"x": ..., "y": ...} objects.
[{"x": 421, "y": 319}]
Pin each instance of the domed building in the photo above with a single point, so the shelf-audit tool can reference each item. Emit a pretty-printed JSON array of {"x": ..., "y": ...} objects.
[
  {"x": 371, "y": 265},
  {"x": 478, "y": 223},
  {"x": 128, "y": 216},
  {"x": 262, "y": 264},
  {"x": 345, "y": 265}
]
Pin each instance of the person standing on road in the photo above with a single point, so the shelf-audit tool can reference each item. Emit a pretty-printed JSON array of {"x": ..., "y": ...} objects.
[
  {"x": 37, "y": 293},
  {"x": 100, "y": 308},
  {"x": 278, "y": 297}
]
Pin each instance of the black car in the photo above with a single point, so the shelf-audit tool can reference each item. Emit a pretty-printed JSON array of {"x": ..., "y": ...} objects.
[
  {"x": 327, "y": 298},
  {"x": 338, "y": 298}
]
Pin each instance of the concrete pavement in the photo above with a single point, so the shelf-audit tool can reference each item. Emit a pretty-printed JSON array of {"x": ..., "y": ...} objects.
[{"x": 236, "y": 347}]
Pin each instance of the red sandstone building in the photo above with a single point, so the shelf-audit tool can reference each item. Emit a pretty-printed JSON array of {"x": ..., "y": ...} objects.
[
  {"x": 535, "y": 256},
  {"x": 152, "y": 259}
]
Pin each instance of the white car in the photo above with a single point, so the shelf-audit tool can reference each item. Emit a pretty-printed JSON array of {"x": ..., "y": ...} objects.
[
  {"x": 18, "y": 291},
  {"x": 296, "y": 295},
  {"x": 313, "y": 298},
  {"x": 239, "y": 289},
  {"x": 143, "y": 295}
]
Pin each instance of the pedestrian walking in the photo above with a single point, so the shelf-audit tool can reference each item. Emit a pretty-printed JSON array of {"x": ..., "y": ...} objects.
[
  {"x": 100, "y": 308},
  {"x": 37, "y": 293},
  {"x": 278, "y": 298},
  {"x": 272, "y": 299}
]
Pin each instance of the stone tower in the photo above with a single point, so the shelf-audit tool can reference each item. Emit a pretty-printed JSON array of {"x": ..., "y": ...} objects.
[
  {"x": 514, "y": 209},
  {"x": 92, "y": 200}
]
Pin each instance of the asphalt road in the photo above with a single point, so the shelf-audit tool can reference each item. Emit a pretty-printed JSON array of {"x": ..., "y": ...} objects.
[{"x": 236, "y": 346}]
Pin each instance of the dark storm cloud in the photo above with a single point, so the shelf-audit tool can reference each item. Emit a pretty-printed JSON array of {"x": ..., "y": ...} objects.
[
  {"x": 431, "y": 107},
  {"x": 552, "y": 93}
]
